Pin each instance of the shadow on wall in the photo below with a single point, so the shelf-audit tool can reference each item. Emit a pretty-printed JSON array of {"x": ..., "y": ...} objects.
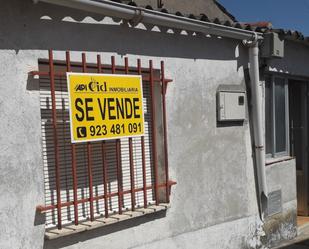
[{"x": 37, "y": 33}]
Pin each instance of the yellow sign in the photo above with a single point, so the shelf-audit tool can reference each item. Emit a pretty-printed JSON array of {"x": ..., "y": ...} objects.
[{"x": 105, "y": 106}]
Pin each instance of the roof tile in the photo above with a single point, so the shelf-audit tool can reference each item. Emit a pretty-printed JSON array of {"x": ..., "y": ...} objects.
[{"x": 263, "y": 27}]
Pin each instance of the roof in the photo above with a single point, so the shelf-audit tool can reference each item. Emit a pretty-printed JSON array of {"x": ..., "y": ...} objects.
[
  {"x": 210, "y": 7},
  {"x": 263, "y": 27}
]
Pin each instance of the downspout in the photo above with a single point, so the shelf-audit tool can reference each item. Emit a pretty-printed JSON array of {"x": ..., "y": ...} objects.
[
  {"x": 135, "y": 15},
  {"x": 258, "y": 130}
]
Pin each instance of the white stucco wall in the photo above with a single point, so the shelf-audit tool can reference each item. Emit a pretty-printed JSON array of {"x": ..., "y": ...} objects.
[{"x": 214, "y": 202}]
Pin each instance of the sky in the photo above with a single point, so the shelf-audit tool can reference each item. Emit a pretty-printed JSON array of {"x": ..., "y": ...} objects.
[{"x": 286, "y": 14}]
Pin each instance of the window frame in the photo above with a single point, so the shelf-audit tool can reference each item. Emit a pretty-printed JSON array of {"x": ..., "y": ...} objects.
[
  {"x": 286, "y": 152},
  {"x": 156, "y": 170}
]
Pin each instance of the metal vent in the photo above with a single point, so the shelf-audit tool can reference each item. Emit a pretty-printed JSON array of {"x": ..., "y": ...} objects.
[{"x": 274, "y": 202}]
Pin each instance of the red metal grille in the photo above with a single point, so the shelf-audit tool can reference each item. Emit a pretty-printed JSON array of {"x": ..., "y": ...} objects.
[{"x": 100, "y": 161}]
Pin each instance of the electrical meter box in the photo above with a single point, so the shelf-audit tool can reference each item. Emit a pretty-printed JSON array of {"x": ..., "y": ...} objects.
[
  {"x": 231, "y": 106},
  {"x": 272, "y": 46}
]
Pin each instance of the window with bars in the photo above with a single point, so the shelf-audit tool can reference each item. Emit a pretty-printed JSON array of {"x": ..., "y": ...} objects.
[
  {"x": 98, "y": 180},
  {"x": 276, "y": 116}
]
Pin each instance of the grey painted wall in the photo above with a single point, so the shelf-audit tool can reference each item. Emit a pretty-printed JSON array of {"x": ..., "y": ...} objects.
[
  {"x": 214, "y": 202},
  {"x": 296, "y": 57},
  {"x": 276, "y": 176},
  {"x": 282, "y": 176}
]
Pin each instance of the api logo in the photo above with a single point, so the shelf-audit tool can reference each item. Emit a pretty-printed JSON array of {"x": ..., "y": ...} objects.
[
  {"x": 80, "y": 87},
  {"x": 92, "y": 86},
  {"x": 81, "y": 132}
]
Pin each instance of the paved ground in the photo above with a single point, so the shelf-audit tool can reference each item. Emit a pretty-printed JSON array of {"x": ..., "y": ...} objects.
[
  {"x": 298, "y": 246},
  {"x": 301, "y": 241}
]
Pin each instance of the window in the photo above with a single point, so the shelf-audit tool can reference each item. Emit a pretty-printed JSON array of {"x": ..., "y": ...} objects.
[
  {"x": 97, "y": 180},
  {"x": 276, "y": 116}
]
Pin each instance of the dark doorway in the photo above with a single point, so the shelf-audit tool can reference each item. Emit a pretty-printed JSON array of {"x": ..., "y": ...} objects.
[{"x": 298, "y": 113}]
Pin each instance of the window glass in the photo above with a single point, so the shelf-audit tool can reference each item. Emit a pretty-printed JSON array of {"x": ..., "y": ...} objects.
[
  {"x": 268, "y": 116},
  {"x": 280, "y": 115}
]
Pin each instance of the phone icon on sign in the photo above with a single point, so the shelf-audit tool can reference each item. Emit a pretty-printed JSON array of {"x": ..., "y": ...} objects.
[{"x": 81, "y": 132}]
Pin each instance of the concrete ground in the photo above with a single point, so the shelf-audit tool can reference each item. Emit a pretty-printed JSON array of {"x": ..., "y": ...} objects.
[
  {"x": 297, "y": 246},
  {"x": 302, "y": 240}
]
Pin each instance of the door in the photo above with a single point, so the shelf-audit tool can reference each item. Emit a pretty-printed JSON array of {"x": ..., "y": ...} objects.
[{"x": 299, "y": 140}]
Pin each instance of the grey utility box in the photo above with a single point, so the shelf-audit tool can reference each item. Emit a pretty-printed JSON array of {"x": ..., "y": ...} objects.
[
  {"x": 231, "y": 106},
  {"x": 272, "y": 46}
]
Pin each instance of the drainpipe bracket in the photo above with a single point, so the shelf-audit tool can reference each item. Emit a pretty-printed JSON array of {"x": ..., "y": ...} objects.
[
  {"x": 138, "y": 17},
  {"x": 252, "y": 42},
  {"x": 259, "y": 147}
]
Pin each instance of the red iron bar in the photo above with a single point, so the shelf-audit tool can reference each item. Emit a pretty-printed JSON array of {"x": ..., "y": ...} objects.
[
  {"x": 73, "y": 154},
  {"x": 63, "y": 74},
  {"x": 118, "y": 154},
  {"x": 131, "y": 153},
  {"x": 113, "y": 65},
  {"x": 132, "y": 174},
  {"x": 55, "y": 135},
  {"x": 154, "y": 133},
  {"x": 105, "y": 177},
  {"x": 70, "y": 203},
  {"x": 119, "y": 176},
  {"x": 75, "y": 64},
  {"x": 89, "y": 162},
  {"x": 139, "y": 69},
  {"x": 167, "y": 194}
]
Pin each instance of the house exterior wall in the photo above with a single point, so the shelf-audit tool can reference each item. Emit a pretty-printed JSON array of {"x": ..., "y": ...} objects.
[
  {"x": 213, "y": 205},
  {"x": 293, "y": 65}
]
